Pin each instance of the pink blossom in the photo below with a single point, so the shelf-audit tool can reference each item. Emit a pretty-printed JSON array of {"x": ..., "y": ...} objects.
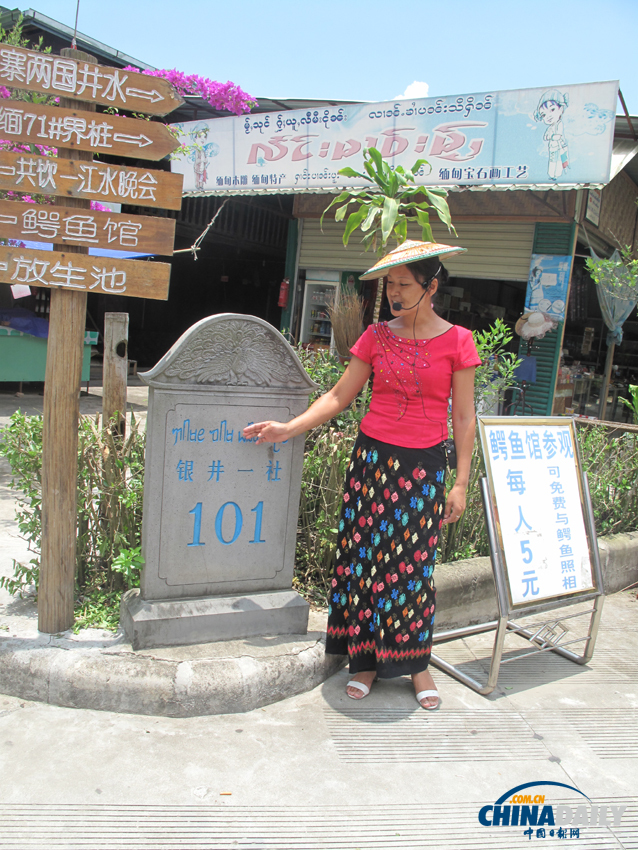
[
  {"x": 226, "y": 96},
  {"x": 96, "y": 205}
]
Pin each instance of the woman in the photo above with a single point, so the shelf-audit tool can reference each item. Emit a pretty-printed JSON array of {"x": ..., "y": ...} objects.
[{"x": 382, "y": 599}]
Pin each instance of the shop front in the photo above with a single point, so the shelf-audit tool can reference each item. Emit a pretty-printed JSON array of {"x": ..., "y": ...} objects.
[{"x": 504, "y": 214}]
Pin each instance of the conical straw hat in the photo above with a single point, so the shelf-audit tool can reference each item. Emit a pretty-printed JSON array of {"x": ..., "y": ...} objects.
[{"x": 409, "y": 252}]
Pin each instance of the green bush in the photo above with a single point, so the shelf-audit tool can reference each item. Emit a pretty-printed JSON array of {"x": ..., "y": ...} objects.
[{"x": 109, "y": 513}]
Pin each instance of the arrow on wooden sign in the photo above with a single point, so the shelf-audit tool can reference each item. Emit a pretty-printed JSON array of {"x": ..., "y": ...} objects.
[
  {"x": 68, "y": 128},
  {"x": 62, "y": 76},
  {"x": 93, "y": 181},
  {"x": 103, "y": 275},
  {"x": 43, "y": 223}
]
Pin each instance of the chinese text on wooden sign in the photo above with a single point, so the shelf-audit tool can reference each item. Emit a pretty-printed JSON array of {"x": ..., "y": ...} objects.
[
  {"x": 53, "y": 126},
  {"x": 57, "y": 75}
]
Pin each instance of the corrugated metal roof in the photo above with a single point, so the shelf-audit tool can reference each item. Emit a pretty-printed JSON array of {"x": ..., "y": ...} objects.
[{"x": 492, "y": 187}]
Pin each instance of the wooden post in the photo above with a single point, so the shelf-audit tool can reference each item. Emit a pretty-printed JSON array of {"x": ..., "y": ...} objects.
[
  {"x": 115, "y": 372},
  {"x": 604, "y": 390},
  {"x": 378, "y": 301},
  {"x": 60, "y": 427}
]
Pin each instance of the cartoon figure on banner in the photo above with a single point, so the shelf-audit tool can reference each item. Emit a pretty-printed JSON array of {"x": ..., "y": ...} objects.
[
  {"x": 198, "y": 152},
  {"x": 535, "y": 287},
  {"x": 550, "y": 111},
  {"x": 548, "y": 285}
]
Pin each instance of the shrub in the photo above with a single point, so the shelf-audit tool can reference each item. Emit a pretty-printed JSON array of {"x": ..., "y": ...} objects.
[{"x": 109, "y": 513}]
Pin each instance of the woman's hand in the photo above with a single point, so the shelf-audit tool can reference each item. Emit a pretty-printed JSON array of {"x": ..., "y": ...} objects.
[
  {"x": 455, "y": 504},
  {"x": 268, "y": 432}
]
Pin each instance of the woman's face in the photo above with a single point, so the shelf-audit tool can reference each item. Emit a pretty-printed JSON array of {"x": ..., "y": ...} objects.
[
  {"x": 551, "y": 112},
  {"x": 403, "y": 288}
]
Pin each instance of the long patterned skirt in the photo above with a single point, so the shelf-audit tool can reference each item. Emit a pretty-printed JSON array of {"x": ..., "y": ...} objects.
[{"x": 382, "y": 599}]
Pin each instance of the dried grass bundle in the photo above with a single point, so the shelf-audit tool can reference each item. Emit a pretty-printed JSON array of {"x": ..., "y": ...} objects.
[{"x": 346, "y": 316}]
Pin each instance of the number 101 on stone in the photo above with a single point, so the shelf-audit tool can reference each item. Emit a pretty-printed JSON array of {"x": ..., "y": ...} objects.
[{"x": 220, "y": 512}]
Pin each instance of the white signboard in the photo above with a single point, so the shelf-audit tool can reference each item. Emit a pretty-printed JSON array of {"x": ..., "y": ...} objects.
[
  {"x": 535, "y": 481},
  {"x": 541, "y": 136}
]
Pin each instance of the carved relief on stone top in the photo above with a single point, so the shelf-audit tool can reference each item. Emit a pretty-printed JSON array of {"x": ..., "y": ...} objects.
[{"x": 232, "y": 351}]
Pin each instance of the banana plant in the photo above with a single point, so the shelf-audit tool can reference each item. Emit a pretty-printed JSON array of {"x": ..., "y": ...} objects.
[{"x": 391, "y": 201}]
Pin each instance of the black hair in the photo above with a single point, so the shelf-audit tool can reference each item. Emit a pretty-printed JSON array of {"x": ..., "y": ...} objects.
[{"x": 425, "y": 271}]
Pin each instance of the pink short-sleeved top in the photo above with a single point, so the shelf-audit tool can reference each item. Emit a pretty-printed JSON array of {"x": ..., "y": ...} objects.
[{"x": 412, "y": 383}]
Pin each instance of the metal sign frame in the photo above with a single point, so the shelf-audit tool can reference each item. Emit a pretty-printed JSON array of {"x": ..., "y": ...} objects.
[{"x": 546, "y": 634}]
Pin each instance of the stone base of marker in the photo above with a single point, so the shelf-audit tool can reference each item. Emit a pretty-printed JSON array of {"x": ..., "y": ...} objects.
[{"x": 181, "y": 622}]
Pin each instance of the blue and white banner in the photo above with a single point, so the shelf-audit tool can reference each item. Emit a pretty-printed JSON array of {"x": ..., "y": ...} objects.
[
  {"x": 524, "y": 137},
  {"x": 548, "y": 284}
]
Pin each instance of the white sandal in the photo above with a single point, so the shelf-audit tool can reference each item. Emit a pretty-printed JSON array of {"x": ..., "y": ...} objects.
[
  {"x": 365, "y": 690},
  {"x": 423, "y": 695}
]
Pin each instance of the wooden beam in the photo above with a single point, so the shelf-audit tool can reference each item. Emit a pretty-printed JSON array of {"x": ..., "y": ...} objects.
[
  {"x": 67, "y": 318},
  {"x": 65, "y": 76},
  {"x": 93, "y": 181},
  {"x": 71, "y": 129},
  {"x": 69, "y": 272},
  {"x": 115, "y": 372},
  {"x": 92, "y": 229}
]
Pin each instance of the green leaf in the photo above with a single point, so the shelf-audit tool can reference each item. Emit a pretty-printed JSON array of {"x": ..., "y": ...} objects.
[
  {"x": 424, "y": 220},
  {"x": 376, "y": 157},
  {"x": 401, "y": 230},
  {"x": 394, "y": 184},
  {"x": 442, "y": 208},
  {"x": 354, "y": 220},
  {"x": 342, "y": 197},
  {"x": 389, "y": 217},
  {"x": 369, "y": 167},
  {"x": 340, "y": 214},
  {"x": 373, "y": 212},
  {"x": 350, "y": 172},
  {"x": 418, "y": 165}
]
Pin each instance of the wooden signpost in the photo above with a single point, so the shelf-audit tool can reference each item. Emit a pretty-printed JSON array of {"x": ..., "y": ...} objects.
[
  {"x": 68, "y": 271},
  {"x": 82, "y": 80},
  {"x": 77, "y": 131},
  {"x": 41, "y": 222},
  {"x": 92, "y": 181},
  {"x": 73, "y": 129}
]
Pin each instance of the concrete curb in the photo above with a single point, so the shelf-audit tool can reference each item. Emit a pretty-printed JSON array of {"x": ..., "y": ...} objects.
[
  {"x": 132, "y": 683},
  {"x": 466, "y": 596},
  {"x": 238, "y": 676}
]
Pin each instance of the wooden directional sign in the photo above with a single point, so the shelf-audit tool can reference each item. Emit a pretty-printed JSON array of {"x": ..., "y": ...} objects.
[
  {"x": 64, "y": 77},
  {"x": 79, "y": 272},
  {"x": 76, "y": 130},
  {"x": 93, "y": 181},
  {"x": 93, "y": 229}
]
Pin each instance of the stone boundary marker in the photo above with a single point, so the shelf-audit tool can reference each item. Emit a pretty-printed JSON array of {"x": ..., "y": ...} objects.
[
  {"x": 220, "y": 513},
  {"x": 239, "y": 676}
]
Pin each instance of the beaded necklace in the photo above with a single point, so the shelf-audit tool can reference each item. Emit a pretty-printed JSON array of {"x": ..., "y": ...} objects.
[{"x": 399, "y": 362}]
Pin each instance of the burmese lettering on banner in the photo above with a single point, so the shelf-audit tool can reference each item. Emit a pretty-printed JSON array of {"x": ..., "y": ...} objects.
[
  {"x": 93, "y": 229},
  {"x": 491, "y": 138},
  {"x": 75, "y": 78},
  {"x": 53, "y": 126},
  {"x": 92, "y": 181},
  {"x": 104, "y": 275}
]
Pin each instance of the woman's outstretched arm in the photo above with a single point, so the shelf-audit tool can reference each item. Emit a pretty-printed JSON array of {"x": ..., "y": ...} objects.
[
  {"x": 463, "y": 428},
  {"x": 323, "y": 409}
]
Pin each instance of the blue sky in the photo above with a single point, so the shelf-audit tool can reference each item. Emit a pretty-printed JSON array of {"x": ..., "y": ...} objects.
[{"x": 372, "y": 50}]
